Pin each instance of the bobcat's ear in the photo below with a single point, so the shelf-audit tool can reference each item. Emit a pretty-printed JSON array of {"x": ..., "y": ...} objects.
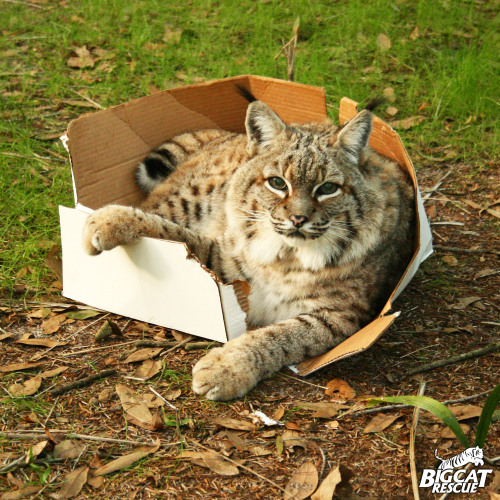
[
  {"x": 354, "y": 135},
  {"x": 263, "y": 127}
]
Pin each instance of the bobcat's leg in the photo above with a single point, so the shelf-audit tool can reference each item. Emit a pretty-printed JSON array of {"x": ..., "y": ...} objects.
[
  {"x": 232, "y": 370},
  {"x": 116, "y": 225}
]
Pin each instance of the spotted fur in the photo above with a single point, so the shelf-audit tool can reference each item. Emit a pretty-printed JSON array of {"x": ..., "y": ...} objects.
[{"x": 316, "y": 222}]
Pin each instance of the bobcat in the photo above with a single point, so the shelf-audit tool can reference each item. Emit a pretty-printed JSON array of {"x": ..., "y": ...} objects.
[{"x": 318, "y": 224}]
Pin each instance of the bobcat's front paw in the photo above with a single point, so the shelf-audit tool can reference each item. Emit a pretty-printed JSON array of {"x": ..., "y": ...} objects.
[
  {"x": 107, "y": 228},
  {"x": 222, "y": 375}
]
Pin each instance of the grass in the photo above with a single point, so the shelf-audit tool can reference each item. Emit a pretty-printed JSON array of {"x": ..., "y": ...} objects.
[{"x": 447, "y": 71}]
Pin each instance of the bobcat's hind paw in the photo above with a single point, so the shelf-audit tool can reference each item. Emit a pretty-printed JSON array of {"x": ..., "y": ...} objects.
[
  {"x": 107, "y": 228},
  {"x": 222, "y": 375}
]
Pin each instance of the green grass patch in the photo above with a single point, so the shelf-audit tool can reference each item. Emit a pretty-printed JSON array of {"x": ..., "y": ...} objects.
[{"x": 442, "y": 64}]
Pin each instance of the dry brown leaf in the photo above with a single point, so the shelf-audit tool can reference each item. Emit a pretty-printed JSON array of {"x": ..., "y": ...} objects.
[
  {"x": 54, "y": 372},
  {"x": 172, "y": 395},
  {"x": 389, "y": 94},
  {"x": 148, "y": 369},
  {"x": 333, "y": 425},
  {"x": 379, "y": 423},
  {"x": 142, "y": 354},
  {"x": 232, "y": 423},
  {"x": 40, "y": 342},
  {"x": 293, "y": 426},
  {"x": 450, "y": 260},
  {"x": 182, "y": 337},
  {"x": 212, "y": 461},
  {"x": 95, "y": 481},
  {"x": 302, "y": 483},
  {"x": 28, "y": 388},
  {"x": 339, "y": 387},
  {"x": 73, "y": 482},
  {"x": 82, "y": 58},
  {"x": 172, "y": 34},
  {"x": 384, "y": 42},
  {"x": 391, "y": 110},
  {"x": 447, "y": 433},
  {"x": 68, "y": 449},
  {"x": 133, "y": 405},
  {"x": 414, "y": 34},
  {"x": 108, "y": 329},
  {"x": 323, "y": 409},
  {"x": 127, "y": 460},
  {"x": 53, "y": 324},
  {"x": 486, "y": 272},
  {"x": 278, "y": 414},
  {"x": 25, "y": 492},
  {"x": 15, "y": 367},
  {"x": 237, "y": 441},
  {"x": 36, "y": 450},
  {"x": 464, "y": 302},
  {"x": 463, "y": 412},
  {"x": 327, "y": 487},
  {"x": 293, "y": 438},
  {"x": 407, "y": 123}
]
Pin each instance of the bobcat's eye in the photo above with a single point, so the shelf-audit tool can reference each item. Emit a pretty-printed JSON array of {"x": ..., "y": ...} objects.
[
  {"x": 327, "y": 190},
  {"x": 277, "y": 183}
]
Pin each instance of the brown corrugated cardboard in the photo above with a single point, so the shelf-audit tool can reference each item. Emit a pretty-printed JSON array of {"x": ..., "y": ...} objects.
[{"x": 156, "y": 280}]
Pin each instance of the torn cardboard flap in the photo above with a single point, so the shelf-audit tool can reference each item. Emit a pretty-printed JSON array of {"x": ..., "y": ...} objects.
[{"x": 154, "y": 281}]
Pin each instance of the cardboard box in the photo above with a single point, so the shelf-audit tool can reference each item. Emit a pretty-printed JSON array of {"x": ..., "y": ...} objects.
[{"x": 157, "y": 281}]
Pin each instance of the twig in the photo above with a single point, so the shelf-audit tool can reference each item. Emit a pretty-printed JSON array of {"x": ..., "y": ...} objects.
[
  {"x": 90, "y": 324},
  {"x": 199, "y": 345},
  {"x": 154, "y": 343},
  {"x": 301, "y": 380},
  {"x": 82, "y": 382},
  {"x": 26, "y": 3},
  {"x": 238, "y": 465},
  {"x": 397, "y": 407},
  {"x": 436, "y": 186},
  {"x": 37, "y": 434},
  {"x": 289, "y": 49},
  {"x": 455, "y": 359},
  {"x": 83, "y": 96},
  {"x": 12, "y": 465},
  {"x": 413, "y": 428},
  {"x": 76, "y": 353},
  {"x": 51, "y": 411},
  {"x": 465, "y": 250},
  {"x": 163, "y": 399}
]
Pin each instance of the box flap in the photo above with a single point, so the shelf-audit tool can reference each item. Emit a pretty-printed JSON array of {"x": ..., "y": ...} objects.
[
  {"x": 153, "y": 281},
  {"x": 100, "y": 144}
]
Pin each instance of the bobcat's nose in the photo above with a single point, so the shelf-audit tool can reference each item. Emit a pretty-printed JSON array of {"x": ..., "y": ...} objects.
[{"x": 298, "y": 220}]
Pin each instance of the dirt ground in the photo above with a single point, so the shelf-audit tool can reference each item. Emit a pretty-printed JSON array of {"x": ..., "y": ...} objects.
[{"x": 253, "y": 461}]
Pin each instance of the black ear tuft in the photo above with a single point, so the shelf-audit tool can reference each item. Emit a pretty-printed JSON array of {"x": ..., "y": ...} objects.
[
  {"x": 375, "y": 102},
  {"x": 245, "y": 93}
]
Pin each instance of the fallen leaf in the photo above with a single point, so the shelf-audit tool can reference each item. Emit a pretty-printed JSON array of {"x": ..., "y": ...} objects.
[
  {"x": 389, "y": 94},
  {"x": 172, "y": 395},
  {"x": 40, "y": 342},
  {"x": 407, "y": 123},
  {"x": 81, "y": 58},
  {"x": 486, "y": 272},
  {"x": 148, "y": 369},
  {"x": 53, "y": 324},
  {"x": 379, "y": 423},
  {"x": 35, "y": 450},
  {"x": 463, "y": 412},
  {"x": 232, "y": 423},
  {"x": 327, "y": 487},
  {"x": 28, "y": 388},
  {"x": 25, "y": 492},
  {"x": 54, "y": 372},
  {"x": 68, "y": 449},
  {"x": 181, "y": 337},
  {"x": 108, "y": 329},
  {"x": 278, "y": 414},
  {"x": 127, "y": 460},
  {"x": 414, "y": 34},
  {"x": 324, "y": 409},
  {"x": 172, "y": 34},
  {"x": 384, "y": 42},
  {"x": 302, "y": 483},
  {"x": 391, "y": 110},
  {"x": 15, "y": 367},
  {"x": 293, "y": 438},
  {"x": 95, "y": 481},
  {"x": 339, "y": 387},
  {"x": 73, "y": 482},
  {"x": 53, "y": 261},
  {"x": 464, "y": 302},
  {"x": 212, "y": 461},
  {"x": 450, "y": 260},
  {"x": 447, "y": 433},
  {"x": 142, "y": 354},
  {"x": 132, "y": 405},
  {"x": 82, "y": 314},
  {"x": 333, "y": 425}
]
